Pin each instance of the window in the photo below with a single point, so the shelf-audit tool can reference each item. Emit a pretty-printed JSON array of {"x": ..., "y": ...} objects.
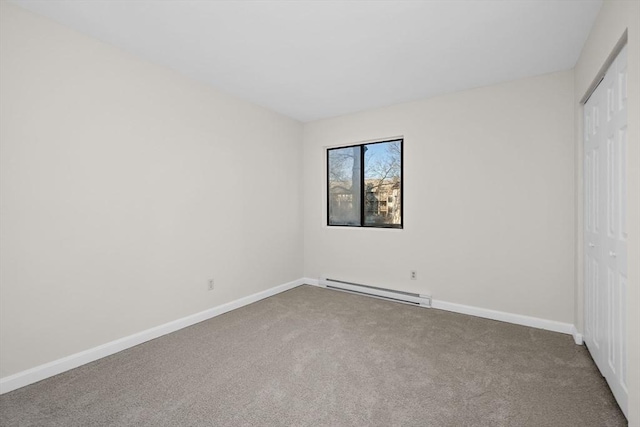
[{"x": 364, "y": 185}]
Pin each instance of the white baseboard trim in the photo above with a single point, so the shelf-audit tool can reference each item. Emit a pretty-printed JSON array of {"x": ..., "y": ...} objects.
[
  {"x": 518, "y": 319},
  {"x": 56, "y": 367},
  {"x": 577, "y": 336}
]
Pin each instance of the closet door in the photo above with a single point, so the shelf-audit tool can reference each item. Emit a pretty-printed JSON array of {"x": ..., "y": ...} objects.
[
  {"x": 606, "y": 227},
  {"x": 594, "y": 268}
]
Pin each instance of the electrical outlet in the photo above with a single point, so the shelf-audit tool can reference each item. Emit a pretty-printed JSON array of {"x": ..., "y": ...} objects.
[
  {"x": 210, "y": 284},
  {"x": 414, "y": 274}
]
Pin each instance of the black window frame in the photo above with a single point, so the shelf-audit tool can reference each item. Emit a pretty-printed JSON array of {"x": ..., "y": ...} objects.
[{"x": 363, "y": 224}]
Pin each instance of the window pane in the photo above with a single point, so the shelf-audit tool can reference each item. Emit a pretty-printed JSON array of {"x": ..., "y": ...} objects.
[
  {"x": 344, "y": 185},
  {"x": 383, "y": 183}
]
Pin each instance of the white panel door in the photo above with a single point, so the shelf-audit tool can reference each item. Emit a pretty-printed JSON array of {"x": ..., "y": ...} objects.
[
  {"x": 605, "y": 150},
  {"x": 594, "y": 320}
]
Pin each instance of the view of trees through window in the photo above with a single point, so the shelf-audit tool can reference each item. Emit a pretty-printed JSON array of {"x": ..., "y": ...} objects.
[{"x": 365, "y": 185}]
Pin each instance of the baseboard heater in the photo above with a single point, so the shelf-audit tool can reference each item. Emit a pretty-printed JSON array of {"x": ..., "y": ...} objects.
[{"x": 375, "y": 292}]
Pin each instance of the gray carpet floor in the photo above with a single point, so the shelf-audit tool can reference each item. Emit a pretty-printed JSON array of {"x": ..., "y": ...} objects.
[{"x": 312, "y": 356}]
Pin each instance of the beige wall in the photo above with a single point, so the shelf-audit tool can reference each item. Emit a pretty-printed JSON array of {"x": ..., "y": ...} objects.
[
  {"x": 124, "y": 187},
  {"x": 488, "y": 199},
  {"x": 615, "y": 17}
]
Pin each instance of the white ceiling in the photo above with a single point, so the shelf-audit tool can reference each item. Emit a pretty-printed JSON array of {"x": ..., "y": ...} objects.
[{"x": 317, "y": 59}]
